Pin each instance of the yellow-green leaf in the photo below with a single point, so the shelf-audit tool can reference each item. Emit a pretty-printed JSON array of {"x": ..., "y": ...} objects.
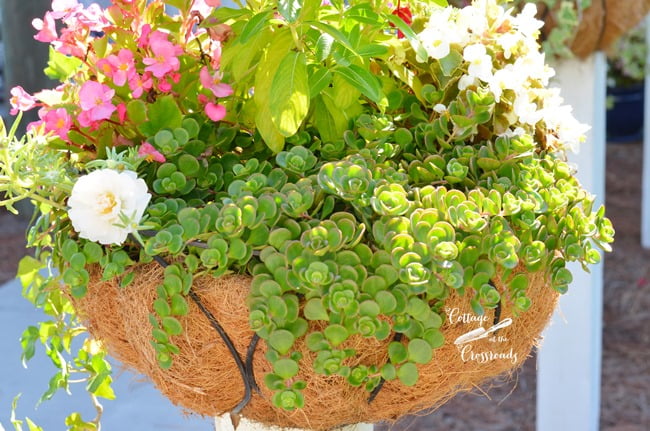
[
  {"x": 289, "y": 94},
  {"x": 362, "y": 80},
  {"x": 272, "y": 138}
]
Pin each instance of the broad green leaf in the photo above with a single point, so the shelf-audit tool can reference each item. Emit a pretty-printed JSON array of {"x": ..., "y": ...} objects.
[
  {"x": 137, "y": 111},
  {"x": 270, "y": 134},
  {"x": 323, "y": 47},
  {"x": 336, "y": 34},
  {"x": 319, "y": 78},
  {"x": 373, "y": 50},
  {"x": 330, "y": 123},
  {"x": 280, "y": 42},
  {"x": 60, "y": 67},
  {"x": 238, "y": 59},
  {"x": 164, "y": 113},
  {"x": 309, "y": 9},
  {"x": 362, "y": 80},
  {"x": 255, "y": 25},
  {"x": 290, "y": 9},
  {"x": 289, "y": 93}
]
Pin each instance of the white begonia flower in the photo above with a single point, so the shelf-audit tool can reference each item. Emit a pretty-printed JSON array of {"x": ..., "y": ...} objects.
[
  {"x": 480, "y": 63},
  {"x": 440, "y": 33},
  {"x": 466, "y": 81},
  {"x": 517, "y": 131},
  {"x": 566, "y": 131},
  {"x": 436, "y": 43},
  {"x": 473, "y": 19},
  {"x": 527, "y": 110},
  {"x": 102, "y": 200},
  {"x": 440, "y": 108},
  {"x": 526, "y": 22},
  {"x": 533, "y": 66},
  {"x": 505, "y": 79},
  {"x": 508, "y": 41}
]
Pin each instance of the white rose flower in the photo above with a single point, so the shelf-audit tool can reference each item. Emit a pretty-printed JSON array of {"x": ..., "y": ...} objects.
[{"x": 99, "y": 200}]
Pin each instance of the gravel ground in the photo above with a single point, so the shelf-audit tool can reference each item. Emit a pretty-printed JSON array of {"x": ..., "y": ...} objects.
[{"x": 509, "y": 404}]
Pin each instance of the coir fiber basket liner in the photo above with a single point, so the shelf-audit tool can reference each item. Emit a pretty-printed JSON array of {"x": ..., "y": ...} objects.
[
  {"x": 603, "y": 22},
  {"x": 204, "y": 377}
]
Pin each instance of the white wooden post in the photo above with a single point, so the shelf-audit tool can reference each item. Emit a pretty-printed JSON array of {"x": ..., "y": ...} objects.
[
  {"x": 645, "y": 179},
  {"x": 568, "y": 378},
  {"x": 224, "y": 423}
]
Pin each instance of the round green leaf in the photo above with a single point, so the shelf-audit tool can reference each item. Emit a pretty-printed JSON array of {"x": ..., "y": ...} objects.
[
  {"x": 397, "y": 352},
  {"x": 419, "y": 351},
  {"x": 285, "y": 368},
  {"x": 281, "y": 340},
  {"x": 408, "y": 374},
  {"x": 336, "y": 334},
  {"x": 315, "y": 310},
  {"x": 172, "y": 326}
]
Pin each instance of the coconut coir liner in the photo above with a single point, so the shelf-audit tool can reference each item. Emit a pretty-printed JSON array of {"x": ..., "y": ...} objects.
[
  {"x": 205, "y": 379},
  {"x": 603, "y": 22}
]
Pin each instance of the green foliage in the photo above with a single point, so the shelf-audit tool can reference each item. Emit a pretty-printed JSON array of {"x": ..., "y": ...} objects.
[{"x": 354, "y": 179}]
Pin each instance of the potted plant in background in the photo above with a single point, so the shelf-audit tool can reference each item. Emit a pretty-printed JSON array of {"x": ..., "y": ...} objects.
[
  {"x": 626, "y": 73},
  {"x": 309, "y": 213}
]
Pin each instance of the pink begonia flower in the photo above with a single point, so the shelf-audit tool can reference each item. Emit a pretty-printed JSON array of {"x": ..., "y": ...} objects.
[
  {"x": 21, "y": 100},
  {"x": 57, "y": 121},
  {"x": 204, "y": 7},
  {"x": 216, "y": 57},
  {"x": 164, "y": 86},
  {"x": 203, "y": 99},
  {"x": 95, "y": 100},
  {"x": 214, "y": 84},
  {"x": 121, "y": 112},
  {"x": 143, "y": 40},
  {"x": 149, "y": 153},
  {"x": 215, "y": 112},
  {"x": 165, "y": 59},
  {"x": 46, "y": 28},
  {"x": 120, "y": 68},
  {"x": 69, "y": 44},
  {"x": 138, "y": 84},
  {"x": 91, "y": 18},
  {"x": 64, "y": 8}
]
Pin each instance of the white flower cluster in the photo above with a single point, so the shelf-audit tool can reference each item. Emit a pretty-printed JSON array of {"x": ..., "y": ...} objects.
[{"x": 502, "y": 55}]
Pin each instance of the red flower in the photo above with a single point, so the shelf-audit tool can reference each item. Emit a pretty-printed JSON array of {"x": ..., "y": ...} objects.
[{"x": 405, "y": 14}]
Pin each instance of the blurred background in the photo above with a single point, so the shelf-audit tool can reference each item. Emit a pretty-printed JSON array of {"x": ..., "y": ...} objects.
[{"x": 507, "y": 404}]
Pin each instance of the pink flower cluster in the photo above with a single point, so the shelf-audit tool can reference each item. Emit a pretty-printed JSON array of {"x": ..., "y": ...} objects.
[{"x": 138, "y": 61}]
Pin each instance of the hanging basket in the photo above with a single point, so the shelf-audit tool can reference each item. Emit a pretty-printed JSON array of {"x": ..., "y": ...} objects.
[
  {"x": 602, "y": 23},
  {"x": 204, "y": 377}
]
